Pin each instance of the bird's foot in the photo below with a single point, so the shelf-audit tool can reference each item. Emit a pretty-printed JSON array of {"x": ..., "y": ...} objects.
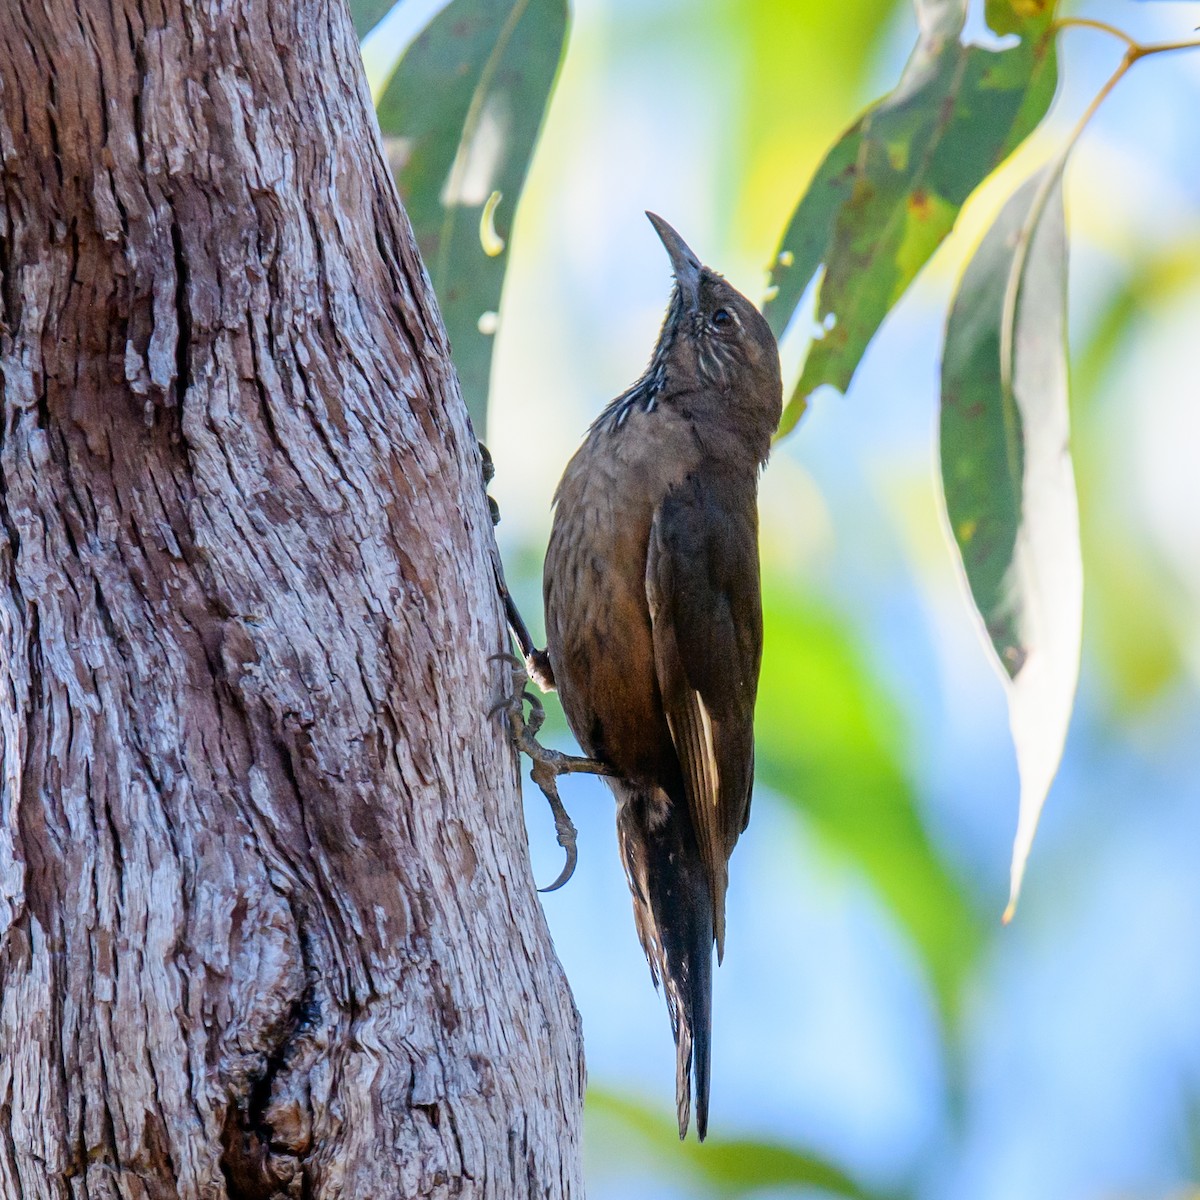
[
  {"x": 537, "y": 662},
  {"x": 548, "y": 764}
]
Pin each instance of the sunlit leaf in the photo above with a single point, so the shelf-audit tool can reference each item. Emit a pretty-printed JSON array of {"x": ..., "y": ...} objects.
[
  {"x": 1008, "y": 479},
  {"x": 890, "y": 190},
  {"x": 723, "y": 1166},
  {"x": 940, "y": 19},
  {"x": 830, "y": 739},
  {"x": 460, "y": 119},
  {"x": 1017, "y": 16}
]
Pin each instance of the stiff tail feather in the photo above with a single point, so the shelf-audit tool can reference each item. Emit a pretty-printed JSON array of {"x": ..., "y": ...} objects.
[{"x": 673, "y": 909}]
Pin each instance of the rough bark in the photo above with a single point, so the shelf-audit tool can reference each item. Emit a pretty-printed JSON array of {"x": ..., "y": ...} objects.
[{"x": 267, "y": 926}]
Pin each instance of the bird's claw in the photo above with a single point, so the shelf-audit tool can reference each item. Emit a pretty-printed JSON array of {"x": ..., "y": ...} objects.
[
  {"x": 564, "y": 828},
  {"x": 487, "y": 468},
  {"x": 509, "y": 700},
  {"x": 548, "y": 764}
]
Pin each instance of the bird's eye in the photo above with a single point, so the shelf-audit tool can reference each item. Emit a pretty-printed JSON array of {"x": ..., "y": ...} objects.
[{"x": 721, "y": 318}]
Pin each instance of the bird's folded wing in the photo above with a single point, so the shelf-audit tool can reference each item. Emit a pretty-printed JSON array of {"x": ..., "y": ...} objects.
[{"x": 702, "y": 583}]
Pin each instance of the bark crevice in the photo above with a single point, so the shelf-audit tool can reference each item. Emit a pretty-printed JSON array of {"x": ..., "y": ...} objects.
[{"x": 263, "y": 1151}]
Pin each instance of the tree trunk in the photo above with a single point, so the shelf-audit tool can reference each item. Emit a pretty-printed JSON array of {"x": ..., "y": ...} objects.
[{"x": 267, "y": 925}]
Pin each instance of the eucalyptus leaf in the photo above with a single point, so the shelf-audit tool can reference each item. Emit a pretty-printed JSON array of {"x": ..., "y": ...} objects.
[
  {"x": 460, "y": 119},
  {"x": 1008, "y": 479},
  {"x": 891, "y": 188}
]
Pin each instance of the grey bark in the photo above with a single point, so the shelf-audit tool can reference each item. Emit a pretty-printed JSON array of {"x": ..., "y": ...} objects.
[{"x": 267, "y": 925}]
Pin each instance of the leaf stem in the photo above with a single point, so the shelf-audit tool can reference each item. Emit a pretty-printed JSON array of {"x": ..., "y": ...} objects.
[
  {"x": 1089, "y": 23},
  {"x": 1135, "y": 48},
  {"x": 1134, "y": 51},
  {"x": 1131, "y": 56},
  {"x": 1143, "y": 51}
]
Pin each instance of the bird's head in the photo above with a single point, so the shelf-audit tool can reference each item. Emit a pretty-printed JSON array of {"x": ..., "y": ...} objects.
[{"x": 712, "y": 332}]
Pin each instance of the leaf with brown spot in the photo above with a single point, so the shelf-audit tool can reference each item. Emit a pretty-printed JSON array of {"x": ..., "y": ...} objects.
[
  {"x": 890, "y": 190},
  {"x": 1008, "y": 480}
]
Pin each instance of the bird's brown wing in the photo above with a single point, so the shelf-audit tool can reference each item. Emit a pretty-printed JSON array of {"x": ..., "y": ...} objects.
[{"x": 702, "y": 583}]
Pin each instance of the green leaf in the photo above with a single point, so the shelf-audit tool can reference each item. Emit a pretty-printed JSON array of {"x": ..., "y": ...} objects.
[
  {"x": 1008, "y": 480},
  {"x": 724, "y": 1166},
  {"x": 890, "y": 190},
  {"x": 366, "y": 14},
  {"x": 460, "y": 119},
  {"x": 830, "y": 739}
]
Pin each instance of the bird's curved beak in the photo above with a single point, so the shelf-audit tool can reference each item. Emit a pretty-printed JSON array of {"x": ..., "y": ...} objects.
[{"x": 684, "y": 263}]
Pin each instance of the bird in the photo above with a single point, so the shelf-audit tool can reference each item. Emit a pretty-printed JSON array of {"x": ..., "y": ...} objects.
[{"x": 653, "y": 612}]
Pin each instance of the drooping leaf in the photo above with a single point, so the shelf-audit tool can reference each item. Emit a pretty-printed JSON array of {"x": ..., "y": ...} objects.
[
  {"x": 830, "y": 739},
  {"x": 366, "y": 14},
  {"x": 460, "y": 118},
  {"x": 725, "y": 1167},
  {"x": 1008, "y": 479},
  {"x": 890, "y": 190}
]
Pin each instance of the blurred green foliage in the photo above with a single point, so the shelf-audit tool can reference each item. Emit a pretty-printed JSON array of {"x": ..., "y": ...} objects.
[
  {"x": 724, "y": 1168},
  {"x": 830, "y": 740},
  {"x": 1142, "y": 659},
  {"x": 366, "y": 14}
]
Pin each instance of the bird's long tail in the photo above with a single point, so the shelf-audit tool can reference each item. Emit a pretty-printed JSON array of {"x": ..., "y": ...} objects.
[{"x": 672, "y": 905}]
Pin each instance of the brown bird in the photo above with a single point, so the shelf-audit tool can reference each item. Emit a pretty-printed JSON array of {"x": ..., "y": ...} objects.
[{"x": 654, "y": 624}]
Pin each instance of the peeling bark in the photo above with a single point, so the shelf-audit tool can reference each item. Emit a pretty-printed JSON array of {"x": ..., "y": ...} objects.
[{"x": 267, "y": 926}]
